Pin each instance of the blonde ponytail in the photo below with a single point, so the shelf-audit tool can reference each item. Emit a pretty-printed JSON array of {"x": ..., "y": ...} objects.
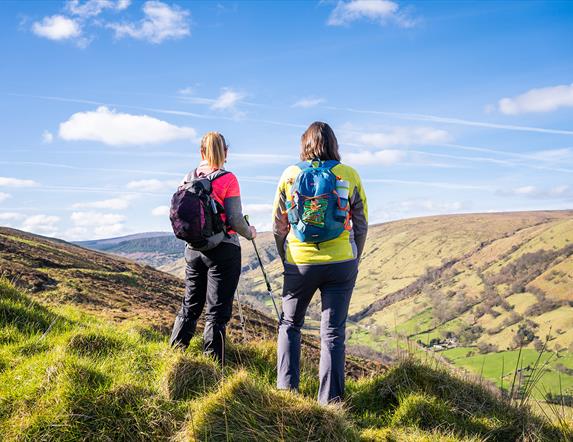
[{"x": 214, "y": 149}]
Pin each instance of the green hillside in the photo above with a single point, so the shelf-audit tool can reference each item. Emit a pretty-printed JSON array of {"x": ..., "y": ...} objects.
[{"x": 68, "y": 376}]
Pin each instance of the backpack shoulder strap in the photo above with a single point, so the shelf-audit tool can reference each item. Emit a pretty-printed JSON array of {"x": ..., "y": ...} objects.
[
  {"x": 329, "y": 164},
  {"x": 217, "y": 174},
  {"x": 304, "y": 165}
]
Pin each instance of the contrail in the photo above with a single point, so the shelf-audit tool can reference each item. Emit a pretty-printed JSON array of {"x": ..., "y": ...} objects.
[
  {"x": 439, "y": 184},
  {"x": 449, "y": 120}
]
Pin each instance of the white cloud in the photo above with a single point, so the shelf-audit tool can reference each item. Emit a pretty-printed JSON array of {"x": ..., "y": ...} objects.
[
  {"x": 160, "y": 211},
  {"x": 76, "y": 233},
  {"x": 252, "y": 209},
  {"x": 101, "y": 224},
  {"x": 161, "y": 22},
  {"x": 227, "y": 99},
  {"x": 109, "y": 230},
  {"x": 4, "y": 196},
  {"x": 98, "y": 219},
  {"x": 525, "y": 190},
  {"x": 308, "y": 102},
  {"x": 41, "y": 224},
  {"x": 47, "y": 137},
  {"x": 383, "y": 157},
  {"x": 151, "y": 185},
  {"x": 378, "y": 11},
  {"x": 259, "y": 216},
  {"x": 57, "y": 27},
  {"x": 92, "y": 8},
  {"x": 16, "y": 182},
  {"x": 418, "y": 207},
  {"x": 432, "y": 206},
  {"x": 538, "y": 100},
  {"x": 118, "y": 203},
  {"x": 115, "y": 128},
  {"x": 405, "y": 136},
  {"x": 10, "y": 216},
  {"x": 556, "y": 192},
  {"x": 186, "y": 91}
]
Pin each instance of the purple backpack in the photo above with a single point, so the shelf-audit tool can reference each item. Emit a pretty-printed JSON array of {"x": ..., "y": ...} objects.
[{"x": 195, "y": 215}]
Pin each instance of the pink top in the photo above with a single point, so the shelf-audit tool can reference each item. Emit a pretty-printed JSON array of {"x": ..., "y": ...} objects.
[{"x": 223, "y": 187}]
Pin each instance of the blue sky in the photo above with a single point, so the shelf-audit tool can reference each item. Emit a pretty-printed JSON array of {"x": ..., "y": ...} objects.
[{"x": 443, "y": 107}]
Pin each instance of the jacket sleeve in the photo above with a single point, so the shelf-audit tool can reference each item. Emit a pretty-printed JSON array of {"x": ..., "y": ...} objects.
[
  {"x": 234, "y": 210},
  {"x": 281, "y": 226},
  {"x": 359, "y": 216}
]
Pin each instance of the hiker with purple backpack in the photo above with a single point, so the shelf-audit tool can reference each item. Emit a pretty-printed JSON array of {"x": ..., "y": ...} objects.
[
  {"x": 320, "y": 225},
  {"x": 206, "y": 213}
]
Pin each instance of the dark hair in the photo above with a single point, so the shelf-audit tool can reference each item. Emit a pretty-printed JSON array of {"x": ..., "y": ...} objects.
[{"x": 319, "y": 142}]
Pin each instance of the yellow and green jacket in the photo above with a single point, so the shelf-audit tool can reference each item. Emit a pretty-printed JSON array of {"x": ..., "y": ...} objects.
[{"x": 349, "y": 245}]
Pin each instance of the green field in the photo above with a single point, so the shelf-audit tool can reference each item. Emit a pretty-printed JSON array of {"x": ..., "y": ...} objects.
[{"x": 490, "y": 366}]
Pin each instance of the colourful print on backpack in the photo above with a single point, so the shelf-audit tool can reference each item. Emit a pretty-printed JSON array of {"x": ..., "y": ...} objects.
[{"x": 316, "y": 212}]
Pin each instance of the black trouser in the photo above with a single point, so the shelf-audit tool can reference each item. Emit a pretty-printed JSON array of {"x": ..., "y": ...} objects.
[{"x": 211, "y": 276}]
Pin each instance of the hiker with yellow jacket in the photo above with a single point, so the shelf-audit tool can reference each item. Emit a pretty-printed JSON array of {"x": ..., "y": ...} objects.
[{"x": 320, "y": 222}]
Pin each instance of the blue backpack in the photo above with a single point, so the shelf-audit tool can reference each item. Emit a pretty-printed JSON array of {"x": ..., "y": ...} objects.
[{"x": 315, "y": 210}]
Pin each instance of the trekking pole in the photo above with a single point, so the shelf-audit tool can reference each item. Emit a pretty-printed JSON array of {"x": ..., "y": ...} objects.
[
  {"x": 267, "y": 282},
  {"x": 241, "y": 317}
]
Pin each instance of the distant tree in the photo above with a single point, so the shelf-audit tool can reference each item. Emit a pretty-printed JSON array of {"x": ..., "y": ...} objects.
[
  {"x": 523, "y": 336},
  {"x": 485, "y": 347},
  {"x": 513, "y": 318},
  {"x": 479, "y": 311},
  {"x": 469, "y": 334}
]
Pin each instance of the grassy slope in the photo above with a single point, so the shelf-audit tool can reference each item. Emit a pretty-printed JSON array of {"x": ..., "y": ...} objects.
[{"x": 68, "y": 375}]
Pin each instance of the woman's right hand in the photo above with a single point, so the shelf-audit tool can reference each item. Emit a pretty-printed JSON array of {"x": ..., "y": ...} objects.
[{"x": 253, "y": 232}]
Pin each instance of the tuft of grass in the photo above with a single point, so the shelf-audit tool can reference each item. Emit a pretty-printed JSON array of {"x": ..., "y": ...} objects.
[
  {"x": 245, "y": 410},
  {"x": 412, "y": 434},
  {"x": 431, "y": 398},
  {"x": 94, "y": 344},
  {"x": 188, "y": 376},
  {"x": 423, "y": 411}
]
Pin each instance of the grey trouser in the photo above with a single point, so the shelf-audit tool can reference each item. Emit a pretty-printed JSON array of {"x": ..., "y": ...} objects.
[{"x": 335, "y": 282}]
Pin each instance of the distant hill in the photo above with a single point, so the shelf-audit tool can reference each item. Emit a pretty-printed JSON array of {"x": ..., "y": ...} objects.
[
  {"x": 101, "y": 244},
  {"x": 151, "y": 248}
]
